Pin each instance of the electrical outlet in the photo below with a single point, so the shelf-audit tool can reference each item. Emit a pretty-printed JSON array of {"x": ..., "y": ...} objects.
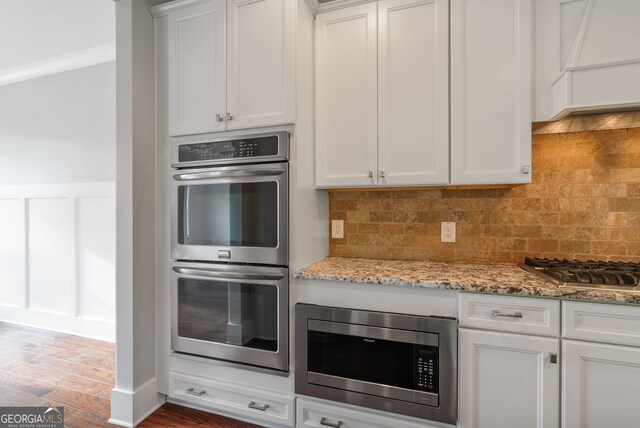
[
  {"x": 337, "y": 229},
  {"x": 447, "y": 232}
]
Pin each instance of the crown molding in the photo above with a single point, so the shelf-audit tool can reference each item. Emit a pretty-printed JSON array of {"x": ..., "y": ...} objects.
[{"x": 58, "y": 64}]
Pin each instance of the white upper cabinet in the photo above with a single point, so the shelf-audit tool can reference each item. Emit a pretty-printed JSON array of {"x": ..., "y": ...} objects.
[
  {"x": 259, "y": 63},
  {"x": 230, "y": 64},
  {"x": 588, "y": 57},
  {"x": 346, "y": 97},
  {"x": 197, "y": 86},
  {"x": 382, "y": 94},
  {"x": 491, "y": 91},
  {"x": 413, "y": 91}
]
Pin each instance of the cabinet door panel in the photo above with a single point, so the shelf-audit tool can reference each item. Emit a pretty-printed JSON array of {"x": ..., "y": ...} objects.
[
  {"x": 600, "y": 385},
  {"x": 413, "y": 91},
  {"x": 346, "y": 100},
  {"x": 260, "y": 63},
  {"x": 507, "y": 381},
  {"x": 491, "y": 90},
  {"x": 197, "y": 91}
]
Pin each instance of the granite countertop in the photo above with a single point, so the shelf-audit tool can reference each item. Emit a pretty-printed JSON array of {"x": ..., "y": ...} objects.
[{"x": 474, "y": 277}]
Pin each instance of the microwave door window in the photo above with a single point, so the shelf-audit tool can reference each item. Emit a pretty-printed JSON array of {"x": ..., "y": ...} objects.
[
  {"x": 237, "y": 214},
  {"x": 369, "y": 360},
  {"x": 239, "y": 314}
]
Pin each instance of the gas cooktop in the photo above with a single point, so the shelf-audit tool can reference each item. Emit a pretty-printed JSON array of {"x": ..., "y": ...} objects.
[{"x": 589, "y": 274}]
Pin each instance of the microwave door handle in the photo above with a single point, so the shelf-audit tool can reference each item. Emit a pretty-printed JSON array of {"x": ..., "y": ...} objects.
[
  {"x": 212, "y": 273},
  {"x": 228, "y": 174}
]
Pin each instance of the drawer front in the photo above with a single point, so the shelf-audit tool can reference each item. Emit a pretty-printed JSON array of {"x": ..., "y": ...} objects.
[
  {"x": 602, "y": 323},
  {"x": 320, "y": 414},
  {"x": 512, "y": 314},
  {"x": 265, "y": 406}
]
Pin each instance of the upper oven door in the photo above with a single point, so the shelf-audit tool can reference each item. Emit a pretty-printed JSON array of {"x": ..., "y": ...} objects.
[{"x": 231, "y": 214}]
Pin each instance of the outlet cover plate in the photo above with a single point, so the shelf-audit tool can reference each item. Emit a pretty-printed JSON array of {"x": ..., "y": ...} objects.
[
  {"x": 337, "y": 229},
  {"x": 447, "y": 232}
]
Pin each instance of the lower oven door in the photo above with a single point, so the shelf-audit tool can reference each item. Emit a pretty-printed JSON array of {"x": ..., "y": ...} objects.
[{"x": 233, "y": 313}]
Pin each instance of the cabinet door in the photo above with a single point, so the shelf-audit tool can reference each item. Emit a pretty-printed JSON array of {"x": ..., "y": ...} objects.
[
  {"x": 491, "y": 91},
  {"x": 507, "y": 381},
  {"x": 346, "y": 97},
  {"x": 413, "y": 91},
  {"x": 600, "y": 385},
  {"x": 259, "y": 63},
  {"x": 197, "y": 68}
]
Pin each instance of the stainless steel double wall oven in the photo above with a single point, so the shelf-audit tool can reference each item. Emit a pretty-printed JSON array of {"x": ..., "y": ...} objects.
[{"x": 230, "y": 277}]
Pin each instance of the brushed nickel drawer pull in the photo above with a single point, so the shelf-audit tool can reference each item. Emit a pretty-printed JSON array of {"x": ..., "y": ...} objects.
[
  {"x": 326, "y": 423},
  {"x": 192, "y": 391},
  {"x": 495, "y": 314},
  {"x": 253, "y": 405}
]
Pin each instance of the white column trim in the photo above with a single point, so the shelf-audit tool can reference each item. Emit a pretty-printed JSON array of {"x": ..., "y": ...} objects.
[{"x": 57, "y": 64}]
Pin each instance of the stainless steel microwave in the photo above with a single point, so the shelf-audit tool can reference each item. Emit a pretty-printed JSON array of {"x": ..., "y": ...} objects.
[{"x": 393, "y": 362}]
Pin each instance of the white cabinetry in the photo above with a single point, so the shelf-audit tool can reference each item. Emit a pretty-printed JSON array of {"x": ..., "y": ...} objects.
[
  {"x": 230, "y": 64},
  {"x": 491, "y": 91},
  {"x": 265, "y": 406},
  {"x": 382, "y": 94},
  {"x": 196, "y": 71},
  {"x": 319, "y": 414},
  {"x": 587, "y": 56},
  {"x": 508, "y": 380},
  {"x": 600, "y": 381}
]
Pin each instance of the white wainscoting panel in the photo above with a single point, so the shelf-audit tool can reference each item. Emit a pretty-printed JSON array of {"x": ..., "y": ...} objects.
[
  {"x": 50, "y": 259},
  {"x": 12, "y": 267},
  {"x": 95, "y": 256},
  {"x": 57, "y": 257}
]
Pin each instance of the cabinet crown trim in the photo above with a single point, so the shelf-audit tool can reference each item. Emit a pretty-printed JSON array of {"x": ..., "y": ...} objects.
[{"x": 166, "y": 8}]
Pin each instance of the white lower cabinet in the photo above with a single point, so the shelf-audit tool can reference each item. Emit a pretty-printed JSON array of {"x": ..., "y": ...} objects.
[
  {"x": 600, "y": 385},
  {"x": 264, "y": 407},
  {"x": 508, "y": 380},
  {"x": 600, "y": 381},
  {"x": 321, "y": 414},
  {"x": 508, "y": 377}
]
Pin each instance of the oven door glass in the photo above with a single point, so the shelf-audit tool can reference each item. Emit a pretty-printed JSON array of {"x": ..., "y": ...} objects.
[
  {"x": 228, "y": 214},
  {"x": 232, "y": 313},
  {"x": 236, "y": 214}
]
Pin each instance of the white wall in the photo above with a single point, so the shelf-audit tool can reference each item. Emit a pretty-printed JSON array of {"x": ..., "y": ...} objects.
[
  {"x": 33, "y": 30},
  {"x": 57, "y": 165},
  {"x": 59, "y": 128}
]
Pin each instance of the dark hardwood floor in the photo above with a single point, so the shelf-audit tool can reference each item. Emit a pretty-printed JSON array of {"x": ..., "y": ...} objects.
[{"x": 42, "y": 368}]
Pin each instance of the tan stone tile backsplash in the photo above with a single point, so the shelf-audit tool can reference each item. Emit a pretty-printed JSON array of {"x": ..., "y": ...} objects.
[{"x": 583, "y": 203}]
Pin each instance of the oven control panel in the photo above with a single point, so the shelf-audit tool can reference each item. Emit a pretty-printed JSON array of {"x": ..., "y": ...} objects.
[{"x": 230, "y": 149}]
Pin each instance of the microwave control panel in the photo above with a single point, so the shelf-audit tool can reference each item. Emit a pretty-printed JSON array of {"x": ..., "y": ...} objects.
[
  {"x": 426, "y": 369},
  {"x": 232, "y": 149}
]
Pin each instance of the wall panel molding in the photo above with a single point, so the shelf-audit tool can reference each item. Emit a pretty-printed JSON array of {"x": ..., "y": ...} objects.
[{"x": 58, "y": 266}]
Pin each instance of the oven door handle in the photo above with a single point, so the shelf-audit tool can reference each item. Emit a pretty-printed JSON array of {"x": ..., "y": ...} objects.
[
  {"x": 222, "y": 274},
  {"x": 228, "y": 174}
]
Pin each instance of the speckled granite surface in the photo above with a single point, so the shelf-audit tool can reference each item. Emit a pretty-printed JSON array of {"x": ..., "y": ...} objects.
[{"x": 476, "y": 277}]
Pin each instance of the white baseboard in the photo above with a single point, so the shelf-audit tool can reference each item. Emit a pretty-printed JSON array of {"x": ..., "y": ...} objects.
[
  {"x": 129, "y": 408},
  {"x": 62, "y": 323}
]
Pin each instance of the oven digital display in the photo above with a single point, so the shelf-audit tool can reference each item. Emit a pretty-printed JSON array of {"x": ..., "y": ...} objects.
[{"x": 232, "y": 149}]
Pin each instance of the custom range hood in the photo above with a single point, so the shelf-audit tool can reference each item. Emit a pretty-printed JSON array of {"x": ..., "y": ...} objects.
[{"x": 597, "y": 54}]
